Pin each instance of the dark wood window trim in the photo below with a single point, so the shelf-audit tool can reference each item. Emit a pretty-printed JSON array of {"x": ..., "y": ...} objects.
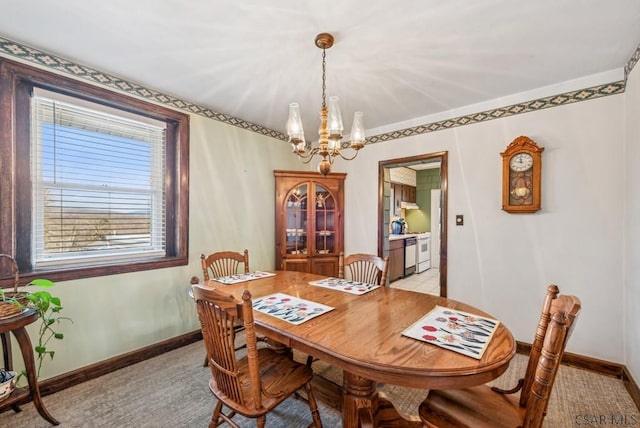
[{"x": 16, "y": 83}]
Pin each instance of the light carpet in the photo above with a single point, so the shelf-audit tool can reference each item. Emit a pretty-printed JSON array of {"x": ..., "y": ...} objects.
[{"x": 579, "y": 398}]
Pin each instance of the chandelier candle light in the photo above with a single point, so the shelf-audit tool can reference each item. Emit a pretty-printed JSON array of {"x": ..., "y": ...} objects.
[{"x": 330, "y": 143}]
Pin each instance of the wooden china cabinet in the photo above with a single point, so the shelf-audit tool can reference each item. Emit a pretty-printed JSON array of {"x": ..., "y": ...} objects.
[{"x": 309, "y": 221}]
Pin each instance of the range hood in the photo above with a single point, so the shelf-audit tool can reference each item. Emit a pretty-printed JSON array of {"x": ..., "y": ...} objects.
[{"x": 409, "y": 205}]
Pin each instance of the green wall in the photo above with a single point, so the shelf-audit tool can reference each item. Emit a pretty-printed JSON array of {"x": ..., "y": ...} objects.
[{"x": 420, "y": 220}]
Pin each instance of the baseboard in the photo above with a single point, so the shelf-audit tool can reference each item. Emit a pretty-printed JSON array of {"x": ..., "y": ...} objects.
[
  {"x": 595, "y": 365},
  {"x": 632, "y": 386},
  {"x": 83, "y": 374}
]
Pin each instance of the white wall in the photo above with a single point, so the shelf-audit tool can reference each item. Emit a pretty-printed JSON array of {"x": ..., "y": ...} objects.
[
  {"x": 632, "y": 239},
  {"x": 231, "y": 207},
  {"x": 503, "y": 262}
]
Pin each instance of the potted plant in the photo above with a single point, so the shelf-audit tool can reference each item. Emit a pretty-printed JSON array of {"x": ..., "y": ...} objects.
[{"x": 44, "y": 303}]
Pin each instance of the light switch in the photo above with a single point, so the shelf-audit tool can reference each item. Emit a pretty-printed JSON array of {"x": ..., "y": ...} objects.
[{"x": 459, "y": 219}]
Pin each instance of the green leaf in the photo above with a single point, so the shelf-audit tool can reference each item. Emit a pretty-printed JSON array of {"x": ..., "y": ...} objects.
[
  {"x": 42, "y": 283},
  {"x": 40, "y": 350},
  {"x": 59, "y": 336},
  {"x": 55, "y": 300}
]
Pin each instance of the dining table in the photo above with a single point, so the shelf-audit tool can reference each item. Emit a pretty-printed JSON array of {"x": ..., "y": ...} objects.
[{"x": 362, "y": 335}]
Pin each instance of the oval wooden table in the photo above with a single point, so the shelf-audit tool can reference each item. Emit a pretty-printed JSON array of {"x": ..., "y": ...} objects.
[
  {"x": 362, "y": 336},
  {"x": 17, "y": 325}
]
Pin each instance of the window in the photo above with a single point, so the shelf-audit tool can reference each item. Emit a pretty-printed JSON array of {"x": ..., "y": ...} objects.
[{"x": 99, "y": 179}]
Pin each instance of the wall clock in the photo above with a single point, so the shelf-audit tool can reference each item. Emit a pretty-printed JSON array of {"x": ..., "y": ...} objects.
[{"x": 521, "y": 171}]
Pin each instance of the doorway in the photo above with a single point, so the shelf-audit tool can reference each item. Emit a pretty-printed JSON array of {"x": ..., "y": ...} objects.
[{"x": 385, "y": 204}]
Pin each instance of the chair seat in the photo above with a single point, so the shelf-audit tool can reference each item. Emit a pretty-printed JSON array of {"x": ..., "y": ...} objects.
[
  {"x": 280, "y": 377},
  {"x": 471, "y": 407}
]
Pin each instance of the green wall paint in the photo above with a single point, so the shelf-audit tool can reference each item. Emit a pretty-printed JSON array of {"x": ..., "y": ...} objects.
[{"x": 420, "y": 220}]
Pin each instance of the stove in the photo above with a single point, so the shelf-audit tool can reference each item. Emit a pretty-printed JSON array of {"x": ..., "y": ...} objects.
[{"x": 423, "y": 252}]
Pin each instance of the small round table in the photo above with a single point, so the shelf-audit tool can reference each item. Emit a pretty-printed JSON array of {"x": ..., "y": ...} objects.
[{"x": 17, "y": 325}]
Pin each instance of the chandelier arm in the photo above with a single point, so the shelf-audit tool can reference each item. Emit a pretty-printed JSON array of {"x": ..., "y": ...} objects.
[
  {"x": 305, "y": 160},
  {"x": 331, "y": 158},
  {"x": 346, "y": 157},
  {"x": 305, "y": 157}
]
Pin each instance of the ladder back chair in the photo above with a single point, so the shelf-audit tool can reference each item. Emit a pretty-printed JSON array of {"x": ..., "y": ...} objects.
[
  {"x": 252, "y": 385},
  {"x": 223, "y": 263},
  {"x": 220, "y": 264},
  {"x": 367, "y": 268},
  {"x": 482, "y": 406}
]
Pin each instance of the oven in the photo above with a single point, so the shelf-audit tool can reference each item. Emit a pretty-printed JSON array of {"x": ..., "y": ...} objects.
[
  {"x": 423, "y": 252},
  {"x": 410, "y": 247}
]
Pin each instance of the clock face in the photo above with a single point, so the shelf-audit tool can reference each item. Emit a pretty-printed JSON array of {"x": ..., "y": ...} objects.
[{"x": 521, "y": 162}]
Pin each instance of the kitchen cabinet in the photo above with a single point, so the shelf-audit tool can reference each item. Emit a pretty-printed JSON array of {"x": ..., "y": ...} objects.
[
  {"x": 309, "y": 221},
  {"x": 408, "y": 193},
  {"x": 396, "y": 259},
  {"x": 402, "y": 193}
]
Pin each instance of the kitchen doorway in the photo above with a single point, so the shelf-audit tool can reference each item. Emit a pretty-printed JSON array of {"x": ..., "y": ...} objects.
[{"x": 386, "y": 204}]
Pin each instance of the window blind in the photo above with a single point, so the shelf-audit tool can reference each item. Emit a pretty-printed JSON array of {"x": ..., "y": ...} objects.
[{"x": 98, "y": 177}]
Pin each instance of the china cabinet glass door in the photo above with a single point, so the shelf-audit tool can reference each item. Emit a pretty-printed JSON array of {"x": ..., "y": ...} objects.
[
  {"x": 296, "y": 220},
  {"x": 325, "y": 221}
]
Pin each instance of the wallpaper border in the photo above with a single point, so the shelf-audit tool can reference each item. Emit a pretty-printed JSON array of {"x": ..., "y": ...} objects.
[{"x": 37, "y": 57}]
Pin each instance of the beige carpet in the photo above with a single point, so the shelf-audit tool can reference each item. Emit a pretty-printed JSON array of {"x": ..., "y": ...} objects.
[
  {"x": 577, "y": 398},
  {"x": 171, "y": 391}
]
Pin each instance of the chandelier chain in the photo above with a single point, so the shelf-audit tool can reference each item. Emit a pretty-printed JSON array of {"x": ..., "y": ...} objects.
[{"x": 324, "y": 77}]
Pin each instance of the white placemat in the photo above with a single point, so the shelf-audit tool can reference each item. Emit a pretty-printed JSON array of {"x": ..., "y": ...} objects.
[
  {"x": 458, "y": 331},
  {"x": 339, "y": 284},
  {"x": 289, "y": 308},
  {"x": 241, "y": 277}
]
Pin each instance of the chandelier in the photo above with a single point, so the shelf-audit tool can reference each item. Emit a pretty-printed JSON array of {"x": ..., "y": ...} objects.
[{"x": 330, "y": 145}]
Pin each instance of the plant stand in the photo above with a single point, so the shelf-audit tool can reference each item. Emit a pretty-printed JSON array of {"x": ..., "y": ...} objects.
[{"x": 17, "y": 325}]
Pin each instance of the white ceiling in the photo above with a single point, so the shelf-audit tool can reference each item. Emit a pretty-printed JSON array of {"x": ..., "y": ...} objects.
[{"x": 396, "y": 61}]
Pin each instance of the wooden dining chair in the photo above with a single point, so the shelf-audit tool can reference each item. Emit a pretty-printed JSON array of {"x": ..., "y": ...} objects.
[
  {"x": 482, "y": 406},
  {"x": 367, "y": 268},
  {"x": 223, "y": 263},
  {"x": 220, "y": 264},
  {"x": 252, "y": 385}
]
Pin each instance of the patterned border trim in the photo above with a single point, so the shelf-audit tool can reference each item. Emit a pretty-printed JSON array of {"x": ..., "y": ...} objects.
[
  {"x": 632, "y": 62},
  {"x": 53, "y": 62},
  {"x": 526, "y": 107},
  {"x": 35, "y": 56}
]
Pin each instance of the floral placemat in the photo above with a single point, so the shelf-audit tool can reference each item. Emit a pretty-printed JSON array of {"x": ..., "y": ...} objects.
[
  {"x": 241, "y": 277},
  {"x": 458, "y": 331},
  {"x": 339, "y": 284},
  {"x": 289, "y": 308}
]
